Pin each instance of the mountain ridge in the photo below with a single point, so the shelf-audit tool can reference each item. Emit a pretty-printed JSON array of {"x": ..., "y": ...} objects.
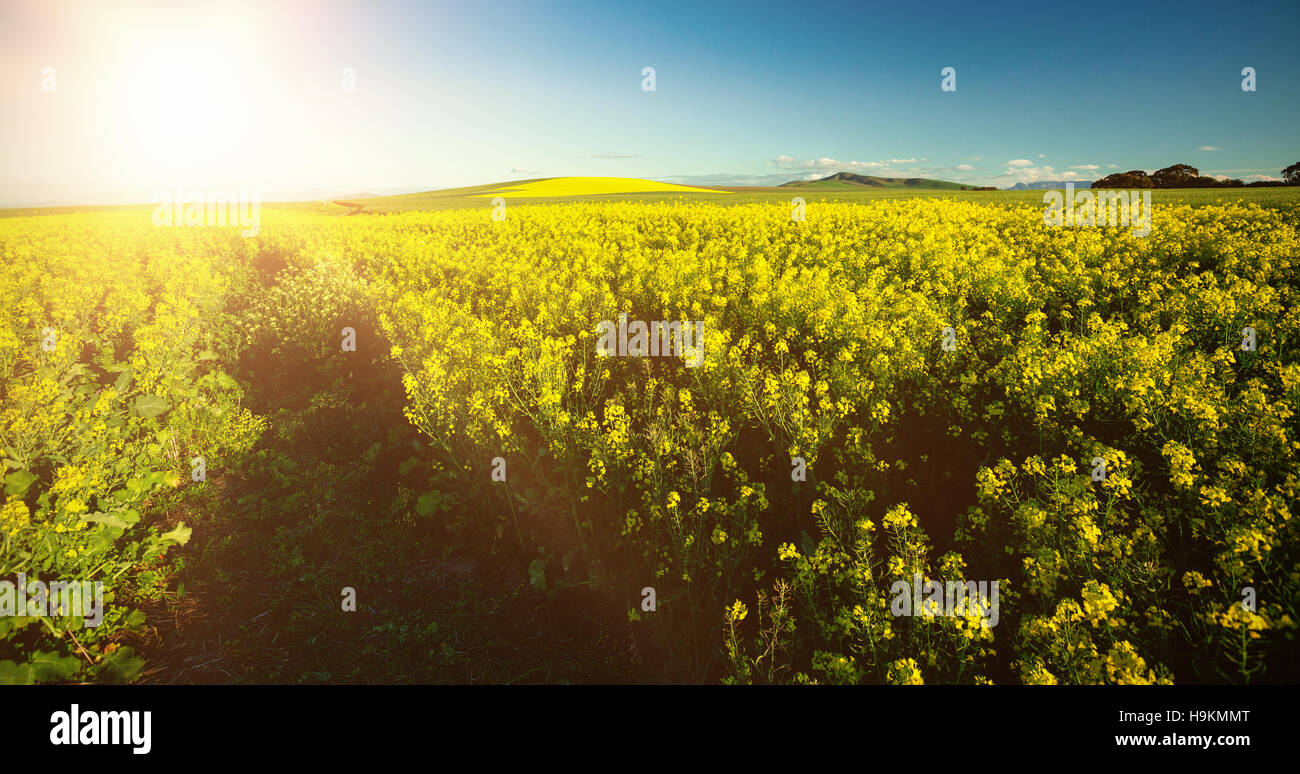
[
  {"x": 1046, "y": 185},
  {"x": 853, "y": 180}
]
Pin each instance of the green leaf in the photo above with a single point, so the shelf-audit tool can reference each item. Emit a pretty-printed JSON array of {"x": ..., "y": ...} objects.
[
  {"x": 537, "y": 574},
  {"x": 122, "y": 665},
  {"x": 51, "y": 667},
  {"x": 429, "y": 503},
  {"x": 75, "y": 370},
  {"x": 223, "y": 381},
  {"x": 180, "y": 535},
  {"x": 101, "y": 540},
  {"x": 110, "y": 519},
  {"x": 806, "y": 543},
  {"x": 568, "y": 557},
  {"x": 16, "y": 674},
  {"x": 155, "y": 478},
  {"x": 123, "y": 382},
  {"x": 16, "y": 483},
  {"x": 151, "y": 405}
]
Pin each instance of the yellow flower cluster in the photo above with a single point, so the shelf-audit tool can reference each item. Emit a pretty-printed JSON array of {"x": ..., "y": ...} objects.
[
  {"x": 824, "y": 349},
  {"x": 13, "y": 516},
  {"x": 114, "y": 337},
  {"x": 904, "y": 671}
]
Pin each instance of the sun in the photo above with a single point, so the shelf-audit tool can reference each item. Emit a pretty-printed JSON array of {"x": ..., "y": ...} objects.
[{"x": 187, "y": 99}]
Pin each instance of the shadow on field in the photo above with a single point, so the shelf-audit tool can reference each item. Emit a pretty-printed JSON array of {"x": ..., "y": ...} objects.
[{"x": 328, "y": 501}]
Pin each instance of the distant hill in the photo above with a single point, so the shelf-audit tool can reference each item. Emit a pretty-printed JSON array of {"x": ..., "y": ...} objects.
[
  {"x": 535, "y": 190},
  {"x": 850, "y": 180},
  {"x": 1043, "y": 185},
  {"x": 565, "y": 187}
]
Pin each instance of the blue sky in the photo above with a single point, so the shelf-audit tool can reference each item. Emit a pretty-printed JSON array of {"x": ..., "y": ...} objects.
[{"x": 461, "y": 93}]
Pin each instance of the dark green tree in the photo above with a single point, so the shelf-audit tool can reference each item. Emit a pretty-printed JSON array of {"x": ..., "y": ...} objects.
[
  {"x": 1134, "y": 178},
  {"x": 1177, "y": 176}
]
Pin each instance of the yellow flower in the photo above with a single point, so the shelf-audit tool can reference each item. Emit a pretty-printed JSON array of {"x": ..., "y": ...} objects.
[
  {"x": 905, "y": 671},
  {"x": 13, "y": 515},
  {"x": 899, "y": 517},
  {"x": 737, "y": 611},
  {"x": 1036, "y": 673},
  {"x": 1088, "y": 530},
  {"x": 1194, "y": 581},
  {"x": 1098, "y": 601}
]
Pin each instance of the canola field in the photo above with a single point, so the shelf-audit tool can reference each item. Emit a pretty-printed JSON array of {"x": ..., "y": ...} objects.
[{"x": 888, "y": 392}]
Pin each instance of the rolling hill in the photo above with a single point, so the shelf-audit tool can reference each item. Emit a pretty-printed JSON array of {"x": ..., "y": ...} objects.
[
  {"x": 1045, "y": 185},
  {"x": 551, "y": 187},
  {"x": 850, "y": 180}
]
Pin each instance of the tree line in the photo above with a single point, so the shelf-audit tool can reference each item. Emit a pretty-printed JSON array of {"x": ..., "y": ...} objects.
[{"x": 1187, "y": 176}]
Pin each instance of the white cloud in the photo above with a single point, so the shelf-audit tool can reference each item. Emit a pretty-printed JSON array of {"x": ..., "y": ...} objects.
[
  {"x": 1268, "y": 178},
  {"x": 1010, "y": 173},
  {"x": 522, "y": 171},
  {"x": 835, "y": 165},
  {"x": 1208, "y": 148},
  {"x": 1024, "y": 174},
  {"x": 789, "y": 162},
  {"x": 1085, "y": 166},
  {"x": 1036, "y": 174},
  {"x": 1042, "y": 155},
  {"x": 1112, "y": 166}
]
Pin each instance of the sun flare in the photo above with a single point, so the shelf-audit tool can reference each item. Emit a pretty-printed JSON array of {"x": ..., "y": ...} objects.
[{"x": 189, "y": 105}]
